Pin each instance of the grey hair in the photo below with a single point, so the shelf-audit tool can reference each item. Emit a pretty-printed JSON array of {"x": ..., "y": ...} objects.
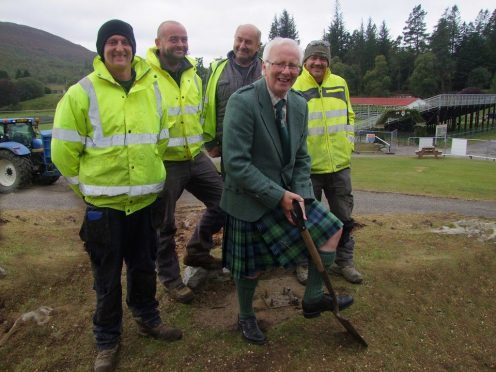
[{"x": 278, "y": 41}]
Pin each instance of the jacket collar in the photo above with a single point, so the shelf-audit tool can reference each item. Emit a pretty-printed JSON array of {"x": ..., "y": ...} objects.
[
  {"x": 152, "y": 59},
  {"x": 305, "y": 74},
  {"x": 231, "y": 56}
]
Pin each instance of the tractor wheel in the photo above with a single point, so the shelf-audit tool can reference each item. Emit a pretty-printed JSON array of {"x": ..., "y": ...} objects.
[{"x": 15, "y": 171}]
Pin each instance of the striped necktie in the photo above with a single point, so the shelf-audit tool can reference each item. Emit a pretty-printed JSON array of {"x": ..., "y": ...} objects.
[{"x": 283, "y": 130}]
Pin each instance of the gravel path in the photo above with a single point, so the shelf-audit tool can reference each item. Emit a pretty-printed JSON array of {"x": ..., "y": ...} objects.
[
  {"x": 59, "y": 196},
  {"x": 367, "y": 202}
]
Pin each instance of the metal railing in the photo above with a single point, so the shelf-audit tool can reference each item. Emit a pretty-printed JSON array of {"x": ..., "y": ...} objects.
[
  {"x": 384, "y": 141},
  {"x": 367, "y": 115},
  {"x": 444, "y": 100}
]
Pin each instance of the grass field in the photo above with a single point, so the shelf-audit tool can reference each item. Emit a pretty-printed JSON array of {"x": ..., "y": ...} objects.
[
  {"x": 447, "y": 177},
  {"x": 41, "y": 104},
  {"x": 42, "y": 108}
]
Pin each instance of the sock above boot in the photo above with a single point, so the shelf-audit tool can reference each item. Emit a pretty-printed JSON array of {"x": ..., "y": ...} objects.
[
  {"x": 245, "y": 289},
  {"x": 314, "y": 291}
]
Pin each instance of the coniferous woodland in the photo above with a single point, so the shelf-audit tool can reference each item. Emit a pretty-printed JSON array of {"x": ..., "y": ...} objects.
[{"x": 456, "y": 56}]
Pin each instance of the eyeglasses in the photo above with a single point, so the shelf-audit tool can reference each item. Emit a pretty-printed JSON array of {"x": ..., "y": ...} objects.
[
  {"x": 281, "y": 66},
  {"x": 323, "y": 43}
]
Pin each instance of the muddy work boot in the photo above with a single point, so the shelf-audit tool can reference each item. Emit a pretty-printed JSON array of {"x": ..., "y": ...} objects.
[
  {"x": 180, "y": 293},
  {"x": 302, "y": 273},
  {"x": 106, "y": 360},
  {"x": 206, "y": 261},
  {"x": 348, "y": 272},
  {"x": 160, "y": 332}
]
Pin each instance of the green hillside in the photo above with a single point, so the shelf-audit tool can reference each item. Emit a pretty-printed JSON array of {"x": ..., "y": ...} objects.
[{"x": 47, "y": 57}]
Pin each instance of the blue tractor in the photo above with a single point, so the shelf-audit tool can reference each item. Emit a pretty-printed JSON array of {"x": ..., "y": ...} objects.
[{"x": 25, "y": 154}]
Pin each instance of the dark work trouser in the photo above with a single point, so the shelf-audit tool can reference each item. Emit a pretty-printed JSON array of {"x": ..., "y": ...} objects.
[
  {"x": 112, "y": 238},
  {"x": 200, "y": 177},
  {"x": 337, "y": 190}
]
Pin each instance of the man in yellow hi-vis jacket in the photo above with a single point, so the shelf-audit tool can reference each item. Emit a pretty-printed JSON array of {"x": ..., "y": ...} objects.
[
  {"x": 188, "y": 167},
  {"x": 330, "y": 144},
  {"x": 110, "y": 133}
]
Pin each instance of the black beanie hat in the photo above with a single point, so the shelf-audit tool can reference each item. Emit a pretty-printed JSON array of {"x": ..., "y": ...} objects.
[{"x": 114, "y": 27}]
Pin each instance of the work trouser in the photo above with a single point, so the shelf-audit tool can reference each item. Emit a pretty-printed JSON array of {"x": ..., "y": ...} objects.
[
  {"x": 110, "y": 237},
  {"x": 199, "y": 177},
  {"x": 337, "y": 190}
]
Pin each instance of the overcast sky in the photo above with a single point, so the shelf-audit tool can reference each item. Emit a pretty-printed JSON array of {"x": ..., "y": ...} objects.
[{"x": 211, "y": 24}]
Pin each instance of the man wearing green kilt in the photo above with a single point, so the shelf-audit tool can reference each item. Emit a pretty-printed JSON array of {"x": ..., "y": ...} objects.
[{"x": 267, "y": 167}]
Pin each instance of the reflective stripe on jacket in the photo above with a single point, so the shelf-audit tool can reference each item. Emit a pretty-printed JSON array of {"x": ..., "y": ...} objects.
[
  {"x": 184, "y": 103},
  {"x": 108, "y": 144},
  {"x": 330, "y": 121}
]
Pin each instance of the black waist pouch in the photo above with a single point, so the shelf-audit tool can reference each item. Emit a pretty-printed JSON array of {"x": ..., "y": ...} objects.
[{"x": 96, "y": 226}]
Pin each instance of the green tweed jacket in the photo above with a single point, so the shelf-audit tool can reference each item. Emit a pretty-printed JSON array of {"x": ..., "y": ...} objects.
[{"x": 256, "y": 177}]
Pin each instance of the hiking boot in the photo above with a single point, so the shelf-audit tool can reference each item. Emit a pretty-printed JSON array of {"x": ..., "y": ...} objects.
[
  {"x": 325, "y": 304},
  {"x": 160, "y": 332},
  {"x": 250, "y": 331},
  {"x": 302, "y": 273},
  {"x": 348, "y": 272},
  {"x": 206, "y": 261},
  {"x": 106, "y": 360},
  {"x": 180, "y": 293}
]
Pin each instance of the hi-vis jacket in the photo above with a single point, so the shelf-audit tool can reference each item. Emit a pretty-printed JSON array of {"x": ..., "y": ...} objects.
[
  {"x": 108, "y": 144},
  {"x": 223, "y": 80},
  {"x": 184, "y": 108},
  {"x": 209, "y": 120},
  {"x": 330, "y": 121}
]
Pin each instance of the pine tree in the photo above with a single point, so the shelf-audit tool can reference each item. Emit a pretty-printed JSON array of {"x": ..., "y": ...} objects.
[
  {"x": 414, "y": 32},
  {"x": 337, "y": 35},
  {"x": 489, "y": 32},
  {"x": 453, "y": 23},
  {"x": 356, "y": 51},
  {"x": 274, "y": 29},
  {"x": 284, "y": 26},
  {"x": 469, "y": 55},
  {"x": 440, "y": 47},
  {"x": 371, "y": 45},
  {"x": 384, "y": 44}
]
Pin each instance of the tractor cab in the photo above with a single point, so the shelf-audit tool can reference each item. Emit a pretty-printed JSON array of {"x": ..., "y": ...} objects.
[{"x": 21, "y": 130}]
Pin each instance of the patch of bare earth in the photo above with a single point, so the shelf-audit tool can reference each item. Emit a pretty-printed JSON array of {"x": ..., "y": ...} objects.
[{"x": 427, "y": 303}]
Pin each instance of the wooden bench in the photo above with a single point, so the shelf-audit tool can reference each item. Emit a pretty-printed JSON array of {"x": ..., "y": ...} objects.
[{"x": 428, "y": 151}]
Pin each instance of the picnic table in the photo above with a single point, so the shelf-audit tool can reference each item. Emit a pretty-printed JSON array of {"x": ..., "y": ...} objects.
[{"x": 429, "y": 150}]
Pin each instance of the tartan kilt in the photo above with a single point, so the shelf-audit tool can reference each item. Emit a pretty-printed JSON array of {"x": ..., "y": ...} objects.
[{"x": 251, "y": 247}]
